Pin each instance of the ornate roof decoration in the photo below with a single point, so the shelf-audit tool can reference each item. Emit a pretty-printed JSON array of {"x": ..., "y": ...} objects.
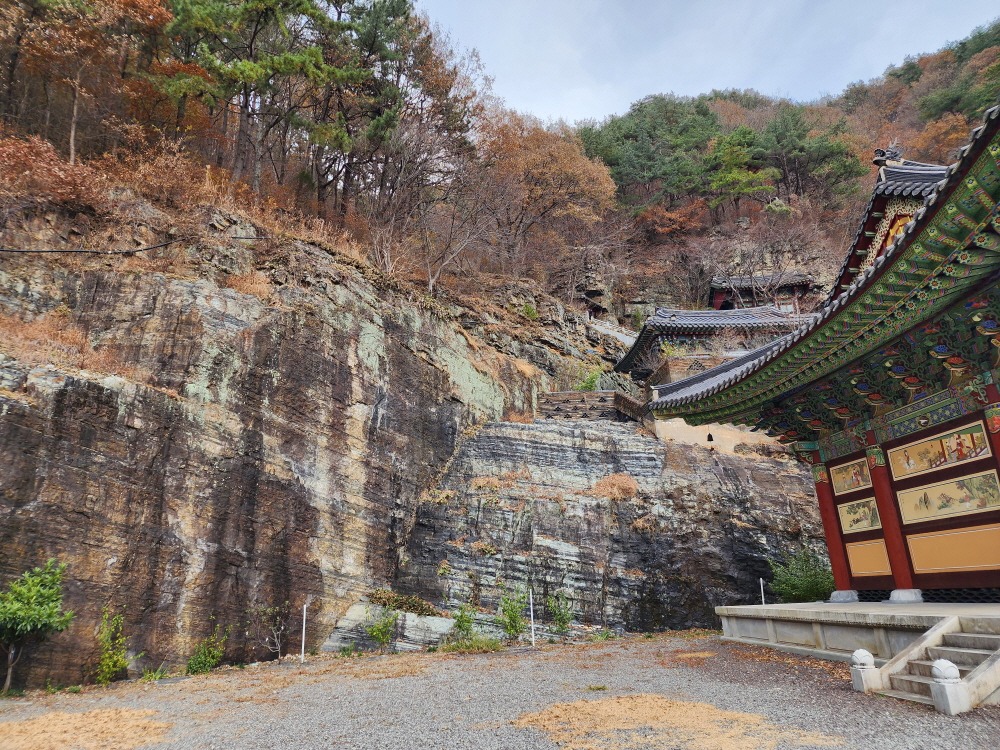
[{"x": 940, "y": 257}]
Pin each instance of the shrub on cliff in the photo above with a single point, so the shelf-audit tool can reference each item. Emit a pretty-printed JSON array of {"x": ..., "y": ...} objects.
[
  {"x": 803, "y": 577},
  {"x": 114, "y": 657},
  {"x": 208, "y": 653},
  {"x": 31, "y": 610},
  {"x": 510, "y": 617}
]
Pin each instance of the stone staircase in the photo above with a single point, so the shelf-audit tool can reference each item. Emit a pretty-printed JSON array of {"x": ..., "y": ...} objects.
[
  {"x": 965, "y": 650},
  {"x": 953, "y": 667}
]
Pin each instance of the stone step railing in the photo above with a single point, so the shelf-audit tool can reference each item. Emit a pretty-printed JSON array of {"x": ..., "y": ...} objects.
[{"x": 578, "y": 405}]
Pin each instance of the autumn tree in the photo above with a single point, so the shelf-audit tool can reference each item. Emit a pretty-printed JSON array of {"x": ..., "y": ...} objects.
[{"x": 542, "y": 174}]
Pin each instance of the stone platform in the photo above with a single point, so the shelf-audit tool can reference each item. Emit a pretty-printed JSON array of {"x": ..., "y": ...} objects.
[{"x": 835, "y": 631}]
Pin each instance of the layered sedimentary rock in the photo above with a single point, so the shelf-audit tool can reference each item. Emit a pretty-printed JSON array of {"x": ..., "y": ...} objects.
[
  {"x": 517, "y": 506},
  {"x": 262, "y": 448}
]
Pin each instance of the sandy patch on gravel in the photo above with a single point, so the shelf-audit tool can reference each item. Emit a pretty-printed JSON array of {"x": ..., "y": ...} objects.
[
  {"x": 636, "y": 721},
  {"x": 102, "y": 729}
]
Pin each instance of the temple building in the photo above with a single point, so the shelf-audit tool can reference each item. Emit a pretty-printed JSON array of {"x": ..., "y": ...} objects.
[
  {"x": 890, "y": 391},
  {"x": 698, "y": 327},
  {"x": 782, "y": 290}
]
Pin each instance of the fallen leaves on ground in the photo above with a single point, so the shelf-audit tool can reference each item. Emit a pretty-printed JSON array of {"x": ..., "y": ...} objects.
[
  {"x": 636, "y": 721},
  {"x": 101, "y": 729},
  {"x": 836, "y": 669}
]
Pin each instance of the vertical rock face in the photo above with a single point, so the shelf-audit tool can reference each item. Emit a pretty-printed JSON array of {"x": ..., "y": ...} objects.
[
  {"x": 274, "y": 450},
  {"x": 517, "y": 506}
]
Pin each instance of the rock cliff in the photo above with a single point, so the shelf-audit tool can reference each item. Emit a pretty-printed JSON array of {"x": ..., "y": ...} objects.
[
  {"x": 243, "y": 447},
  {"x": 518, "y": 505}
]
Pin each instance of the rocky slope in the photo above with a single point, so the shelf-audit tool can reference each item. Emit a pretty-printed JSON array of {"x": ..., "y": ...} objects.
[
  {"x": 518, "y": 506},
  {"x": 241, "y": 447}
]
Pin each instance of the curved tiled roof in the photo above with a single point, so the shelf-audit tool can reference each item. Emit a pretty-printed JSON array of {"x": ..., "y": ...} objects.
[
  {"x": 747, "y": 282},
  {"x": 911, "y": 178},
  {"x": 667, "y": 320},
  {"x": 720, "y": 378}
]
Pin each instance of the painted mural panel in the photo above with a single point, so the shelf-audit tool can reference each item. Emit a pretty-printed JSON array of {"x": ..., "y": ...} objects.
[
  {"x": 850, "y": 477},
  {"x": 972, "y": 494},
  {"x": 861, "y": 515},
  {"x": 947, "y": 449}
]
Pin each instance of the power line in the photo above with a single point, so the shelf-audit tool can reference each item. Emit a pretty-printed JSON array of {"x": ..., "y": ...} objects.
[{"x": 122, "y": 252}]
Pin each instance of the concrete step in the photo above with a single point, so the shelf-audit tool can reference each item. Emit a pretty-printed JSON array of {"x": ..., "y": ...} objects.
[
  {"x": 913, "y": 697},
  {"x": 911, "y": 683},
  {"x": 923, "y": 668},
  {"x": 973, "y": 656},
  {"x": 972, "y": 640}
]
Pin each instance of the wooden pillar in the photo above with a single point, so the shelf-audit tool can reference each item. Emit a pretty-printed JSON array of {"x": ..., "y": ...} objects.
[
  {"x": 892, "y": 530},
  {"x": 992, "y": 414},
  {"x": 831, "y": 525}
]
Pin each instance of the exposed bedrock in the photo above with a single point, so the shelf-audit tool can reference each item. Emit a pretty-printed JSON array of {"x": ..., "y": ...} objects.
[
  {"x": 275, "y": 449},
  {"x": 516, "y": 506}
]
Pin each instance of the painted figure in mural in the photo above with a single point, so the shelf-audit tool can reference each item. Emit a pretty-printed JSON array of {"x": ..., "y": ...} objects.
[
  {"x": 960, "y": 448},
  {"x": 909, "y": 462}
]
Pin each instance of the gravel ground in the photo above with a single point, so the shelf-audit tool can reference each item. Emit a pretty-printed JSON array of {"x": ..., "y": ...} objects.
[{"x": 693, "y": 692}]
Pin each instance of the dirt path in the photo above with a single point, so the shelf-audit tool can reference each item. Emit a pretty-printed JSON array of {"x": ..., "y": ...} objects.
[{"x": 695, "y": 693}]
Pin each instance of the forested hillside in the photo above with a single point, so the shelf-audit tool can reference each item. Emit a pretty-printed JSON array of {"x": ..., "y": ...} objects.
[{"x": 359, "y": 123}]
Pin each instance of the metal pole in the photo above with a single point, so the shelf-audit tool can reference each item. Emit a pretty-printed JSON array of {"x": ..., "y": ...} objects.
[
  {"x": 303, "y": 656},
  {"x": 762, "y": 591},
  {"x": 531, "y": 611}
]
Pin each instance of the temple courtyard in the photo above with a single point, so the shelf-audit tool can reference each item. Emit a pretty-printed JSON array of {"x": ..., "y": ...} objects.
[{"x": 682, "y": 690}]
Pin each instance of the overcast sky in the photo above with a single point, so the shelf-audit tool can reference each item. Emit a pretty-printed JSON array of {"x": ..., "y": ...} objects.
[{"x": 583, "y": 59}]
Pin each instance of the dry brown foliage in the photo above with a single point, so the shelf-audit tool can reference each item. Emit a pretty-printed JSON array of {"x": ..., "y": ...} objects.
[
  {"x": 31, "y": 168},
  {"x": 616, "y": 487},
  {"x": 254, "y": 283},
  {"x": 100, "y": 729},
  {"x": 54, "y": 339},
  {"x": 836, "y": 669},
  {"x": 479, "y": 484},
  {"x": 646, "y": 523}
]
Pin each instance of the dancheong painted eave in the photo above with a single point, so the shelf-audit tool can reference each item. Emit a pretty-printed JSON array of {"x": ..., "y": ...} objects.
[{"x": 949, "y": 249}]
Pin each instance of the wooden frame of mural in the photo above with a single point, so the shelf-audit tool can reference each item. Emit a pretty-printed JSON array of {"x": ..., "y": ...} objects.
[
  {"x": 946, "y": 449},
  {"x": 851, "y": 476},
  {"x": 861, "y": 515},
  {"x": 975, "y": 493}
]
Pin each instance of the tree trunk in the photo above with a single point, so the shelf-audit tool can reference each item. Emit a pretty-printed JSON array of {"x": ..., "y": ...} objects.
[
  {"x": 181, "y": 111},
  {"x": 258, "y": 153},
  {"x": 73, "y": 119},
  {"x": 220, "y": 148},
  {"x": 242, "y": 136},
  {"x": 11, "y": 661}
]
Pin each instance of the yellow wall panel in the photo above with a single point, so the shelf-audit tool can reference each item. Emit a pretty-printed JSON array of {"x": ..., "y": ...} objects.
[
  {"x": 868, "y": 558},
  {"x": 975, "y": 548}
]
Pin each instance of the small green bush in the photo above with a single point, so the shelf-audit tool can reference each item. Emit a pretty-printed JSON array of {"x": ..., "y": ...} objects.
[
  {"x": 152, "y": 675},
  {"x": 529, "y": 311},
  {"x": 208, "y": 653},
  {"x": 803, "y": 577},
  {"x": 114, "y": 648},
  {"x": 510, "y": 617},
  {"x": 464, "y": 616},
  {"x": 346, "y": 652},
  {"x": 381, "y": 628},
  {"x": 561, "y": 612},
  {"x": 589, "y": 383}
]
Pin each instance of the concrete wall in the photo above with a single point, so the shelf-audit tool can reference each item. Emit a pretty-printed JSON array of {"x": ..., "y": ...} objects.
[{"x": 725, "y": 438}]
